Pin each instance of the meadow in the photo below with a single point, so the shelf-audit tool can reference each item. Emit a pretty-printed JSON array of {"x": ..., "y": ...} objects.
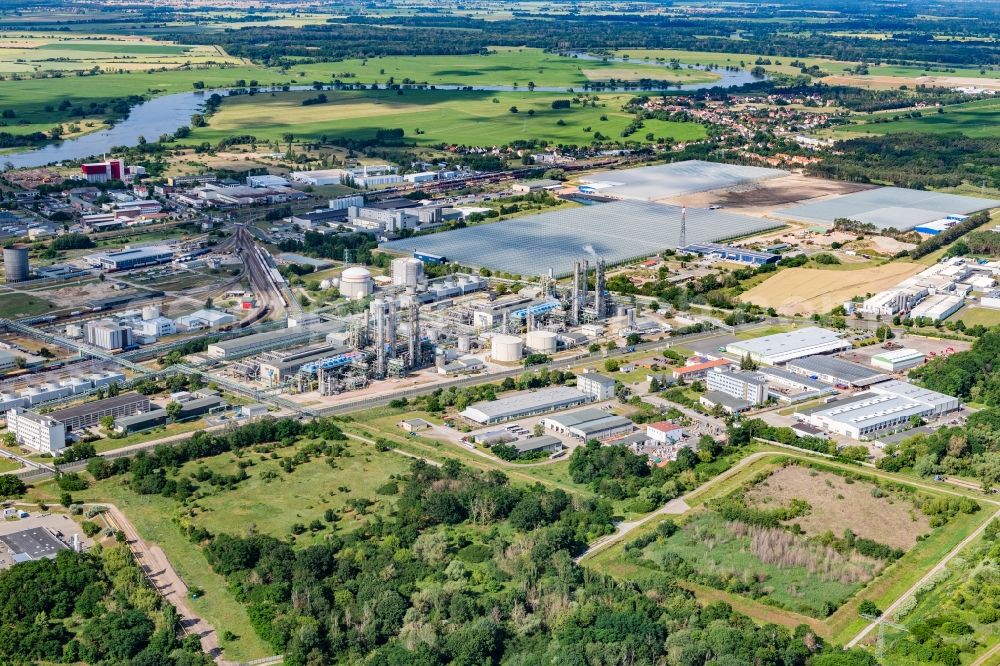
[
  {"x": 975, "y": 119},
  {"x": 430, "y": 117},
  {"x": 503, "y": 66}
]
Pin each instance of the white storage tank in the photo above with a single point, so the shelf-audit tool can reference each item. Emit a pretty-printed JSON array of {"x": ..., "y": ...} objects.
[
  {"x": 150, "y": 312},
  {"x": 325, "y": 284},
  {"x": 356, "y": 282},
  {"x": 464, "y": 343},
  {"x": 542, "y": 341},
  {"x": 507, "y": 348},
  {"x": 407, "y": 272}
]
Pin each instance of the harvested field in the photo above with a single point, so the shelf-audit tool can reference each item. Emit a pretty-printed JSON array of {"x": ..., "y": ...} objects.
[
  {"x": 811, "y": 290},
  {"x": 838, "y": 506}
]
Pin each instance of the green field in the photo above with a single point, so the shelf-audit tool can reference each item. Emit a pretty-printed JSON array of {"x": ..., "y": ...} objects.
[
  {"x": 976, "y": 119},
  {"x": 972, "y": 316},
  {"x": 15, "y": 304},
  {"x": 504, "y": 66},
  {"x": 453, "y": 117}
]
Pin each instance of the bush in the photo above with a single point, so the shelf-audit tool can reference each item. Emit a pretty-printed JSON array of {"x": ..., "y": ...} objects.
[{"x": 90, "y": 528}]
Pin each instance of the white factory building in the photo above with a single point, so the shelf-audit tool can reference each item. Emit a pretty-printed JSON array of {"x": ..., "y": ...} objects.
[
  {"x": 782, "y": 347},
  {"x": 107, "y": 334},
  {"x": 898, "y": 360},
  {"x": 36, "y": 431},
  {"x": 937, "y": 307},
  {"x": 407, "y": 272},
  {"x": 883, "y": 408}
]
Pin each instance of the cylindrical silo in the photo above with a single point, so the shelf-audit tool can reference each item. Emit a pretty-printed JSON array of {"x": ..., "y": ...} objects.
[
  {"x": 507, "y": 348},
  {"x": 541, "y": 341},
  {"x": 15, "y": 263},
  {"x": 464, "y": 343}
]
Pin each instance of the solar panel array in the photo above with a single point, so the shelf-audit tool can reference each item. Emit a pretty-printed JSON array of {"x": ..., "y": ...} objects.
[
  {"x": 668, "y": 180},
  {"x": 619, "y": 231},
  {"x": 885, "y": 207}
]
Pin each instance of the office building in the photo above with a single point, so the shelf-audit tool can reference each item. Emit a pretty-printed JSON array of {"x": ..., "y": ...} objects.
[
  {"x": 600, "y": 387},
  {"x": 749, "y": 386},
  {"x": 698, "y": 369},
  {"x": 38, "y": 432}
]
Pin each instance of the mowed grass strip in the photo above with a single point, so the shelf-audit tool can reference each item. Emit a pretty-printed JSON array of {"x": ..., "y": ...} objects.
[{"x": 452, "y": 117}]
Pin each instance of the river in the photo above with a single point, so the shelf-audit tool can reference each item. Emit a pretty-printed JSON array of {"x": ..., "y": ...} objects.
[{"x": 165, "y": 114}]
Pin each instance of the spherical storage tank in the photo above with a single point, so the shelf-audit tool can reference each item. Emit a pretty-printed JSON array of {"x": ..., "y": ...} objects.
[
  {"x": 507, "y": 348},
  {"x": 356, "y": 282},
  {"x": 541, "y": 341}
]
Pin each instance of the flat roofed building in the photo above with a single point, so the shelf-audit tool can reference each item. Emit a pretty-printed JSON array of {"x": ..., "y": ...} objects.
[
  {"x": 745, "y": 385},
  {"x": 32, "y": 544},
  {"x": 543, "y": 443},
  {"x": 783, "y": 347},
  {"x": 132, "y": 258},
  {"x": 260, "y": 342},
  {"x": 898, "y": 360},
  {"x": 198, "y": 406},
  {"x": 587, "y": 424},
  {"x": 740, "y": 255},
  {"x": 90, "y": 414},
  {"x": 524, "y": 404},
  {"x": 696, "y": 370},
  {"x": 39, "y": 432},
  {"x": 601, "y": 387},
  {"x": 728, "y": 403},
  {"x": 139, "y": 422},
  {"x": 886, "y": 407},
  {"x": 664, "y": 432},
  {"x": 833, "y": 370},
  {"x": 789, "y": 388},
  {"x": 7, "y": 361}
]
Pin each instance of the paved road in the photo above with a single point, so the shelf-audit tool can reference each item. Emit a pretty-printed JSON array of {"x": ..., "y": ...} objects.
[{"x": 916, "y": 586}]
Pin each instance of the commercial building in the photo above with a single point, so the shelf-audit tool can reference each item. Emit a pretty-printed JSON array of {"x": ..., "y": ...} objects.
[
  {"x": 885, "y": 408},
  {"x": 664, "y": 432},
  {"x": 588, "y": 424},
  {"x": 898, "y": 360},
  {"x": 546, "y": 443},
  {"x": 123, "y": 260},
  {"x": 90, "y": 414},
  {"x": 731, "y": 253},
  {"x": 783, "y": 347},
  {"x": 833, "y": 370},
  {"x": 728, "y": 403},
  {"x": 142, "y": 421},
  {"x": 38, "y": 432},
  {"x": 745, "y": 385},
  {"x": 699, "y": 369},
  {"x": 108, "y": 334},
  {"x": 524, "y": 404},
  {"x": 600, "y": 387},
  {"x": 16, "y": 265},
  {"x": 937, "y": 307}
]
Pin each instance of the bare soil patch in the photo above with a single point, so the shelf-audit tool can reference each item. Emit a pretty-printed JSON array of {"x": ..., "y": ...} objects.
[
  {"x": 896, "y": 81},
  {"x": 838, "y": 505}
]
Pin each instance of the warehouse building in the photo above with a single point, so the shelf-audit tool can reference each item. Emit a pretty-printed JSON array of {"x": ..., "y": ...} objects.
[
  {"x": 898, "y": 360},
  {"x": 140, "y": 422},
  {"x": 885, "y": 408},
  {"x": 937, "y": 307},
  {"x": 546, "y": 443},
  {"x": 261, "y": 342},
  {"x": 600, "y": 387},
  {"x": 731, "y": 253},
  {"x": 728, "y": 403},
  {"x": 123, "y": 260},
  {"x": 90, "y": 414},
  {"x": 38, "y": 432},
  {"x": 524, "y": 404},
  {"x": 833, "y": 370},
  {"x": 588, "y": 424},
  {"x": 789, "y": 388},
  {"x": 783, "y": 347}
]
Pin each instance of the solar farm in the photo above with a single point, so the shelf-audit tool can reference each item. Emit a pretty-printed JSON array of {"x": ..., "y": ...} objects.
[
  {"x": 618, "y": 232},
  {"x": 669, "y": 180},
  {"x": 886, "y": 207}
]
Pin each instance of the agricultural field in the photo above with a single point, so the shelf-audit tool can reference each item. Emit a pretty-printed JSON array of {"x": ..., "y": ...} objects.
[
  {"x": 430, "y": 117},
  {"x": 810, "y": 290},
  {"x": 35, "y": 53},
  {"x": 778, "y": 64},
  {"x": 503, "y": 66},
  {"x": 975, "y": 119}
]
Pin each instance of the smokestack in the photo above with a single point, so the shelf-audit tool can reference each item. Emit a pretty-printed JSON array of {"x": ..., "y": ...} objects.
[
  {"x": 574, "y": 300},
  {"x": 585, "y": 287}
]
